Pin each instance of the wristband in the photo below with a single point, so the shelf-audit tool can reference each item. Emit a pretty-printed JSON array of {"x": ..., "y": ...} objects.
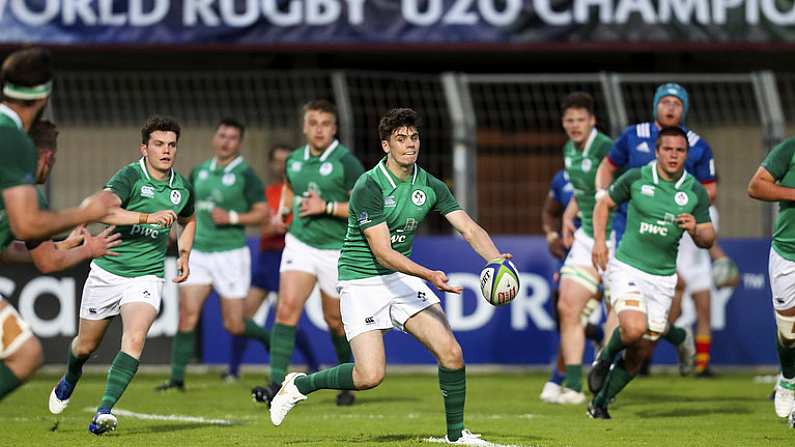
[
  {"x": 552, "y": 236},
  {"x": 331, "y": 207},
  {"x": 143, "y": 218},
  {"x": 234, "y": 218}
]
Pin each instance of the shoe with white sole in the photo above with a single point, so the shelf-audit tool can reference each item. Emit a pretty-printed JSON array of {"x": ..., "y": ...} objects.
[
  {"x": 568, "y": 396},
  {"x": 59, "y": 396},
  {"x": 468, "y": 438},
  {"x": 102, "y": 422},
  {"x": 686, "y": 353},
  {"x": 550, "y": 392},
  {"x": 287, "y": 398},
  {"x": 785, "y": 396}
]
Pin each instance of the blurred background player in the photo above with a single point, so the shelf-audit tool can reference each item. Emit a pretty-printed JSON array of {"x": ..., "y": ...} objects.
[
  {"x": 150, "y": 196},
  {"x": 774, "y": 181},
  {"x": 665, "y": 201},
  {"x": 265, "y": 277},
  {"x": 635, "y": 148},
  {"x": 579, "y": 280},
  {"x": 319, "y": 178},
  {"x": 26, "y": 82},
  {"x": 229, "y": 195},
  {"x": 382, "y": 289}
]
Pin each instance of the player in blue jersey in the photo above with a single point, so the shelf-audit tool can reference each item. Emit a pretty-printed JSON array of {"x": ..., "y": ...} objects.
[
  {"x": 635, "y": 148},
  {"x": 560, "y": 193}
]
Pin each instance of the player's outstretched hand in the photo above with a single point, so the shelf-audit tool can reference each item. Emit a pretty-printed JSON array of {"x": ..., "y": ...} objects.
[
  {"x": 101, "y": 244},
  {"x": 164, "y": 218},
  {"x": 686, "y": 222},
  {"x": 74, "y": 238},
  {"x": 182, "y": 269},
  {"x": 97, "y": 206},
  {"x": 439, "y": 279},
  {"x": 312, "y": 204},
  {"x": 600, "y": 255}
]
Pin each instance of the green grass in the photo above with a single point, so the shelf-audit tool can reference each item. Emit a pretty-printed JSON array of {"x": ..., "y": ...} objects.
[{"x": 659, "y": 411}]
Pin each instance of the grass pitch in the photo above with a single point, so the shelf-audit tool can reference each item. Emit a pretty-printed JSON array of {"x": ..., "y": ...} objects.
[{"x": 662, "y": 410}]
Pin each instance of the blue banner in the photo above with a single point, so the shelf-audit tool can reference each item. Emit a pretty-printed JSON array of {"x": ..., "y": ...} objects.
[
  {"x": 579, "y": 24},
  {"x": 523, "y": 332}
]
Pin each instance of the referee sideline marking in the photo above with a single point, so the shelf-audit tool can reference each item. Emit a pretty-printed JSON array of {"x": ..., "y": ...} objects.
[{"x": 168, "y": 417}]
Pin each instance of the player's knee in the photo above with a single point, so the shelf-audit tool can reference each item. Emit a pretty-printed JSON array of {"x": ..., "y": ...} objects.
[
  {"x": 187, "y": 321},
  {"x": 288, "y": 312},
  {"x": 83, "y": 347},
  {"x": 452, "y": 357},
  {"x": 133, "y": 343},
  {"x": 632, "y": 331},
  {"x": 370, "y": 377},
  {"x": 568, "y": 311}
]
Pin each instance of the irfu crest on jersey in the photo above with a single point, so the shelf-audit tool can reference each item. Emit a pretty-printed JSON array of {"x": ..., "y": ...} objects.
[{"x": 418, "y": 197}]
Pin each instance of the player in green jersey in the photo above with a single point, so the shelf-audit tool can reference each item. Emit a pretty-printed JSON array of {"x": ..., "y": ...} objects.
[
  {"x": 381, "y": 288},
  {"x": 579, "y": 281},
  {"x": 319, "y": 178},
  {"x": 774, "y": 181},
  {"x": 664, "y": 202},
  {"x": 229, "y": 196},
  {"x": 150, "y": 196},
  {"x": 26, "y": 82}
]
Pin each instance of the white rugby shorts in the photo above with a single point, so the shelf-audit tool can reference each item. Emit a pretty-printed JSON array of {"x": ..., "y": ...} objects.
[
  {"x": 228, "y": 272},
  {"x": 636, "y": 290},
  {"x": 782, "y": 280},
  {"x": 104, "y": 293},
  {"x": 382, "y": 302},
  {"x": 322, "y": 263}
]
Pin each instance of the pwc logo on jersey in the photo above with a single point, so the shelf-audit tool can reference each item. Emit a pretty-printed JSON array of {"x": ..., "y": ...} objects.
[
  {"x": 647, "y": 228},
  {"x": 326, "y": 168},
  {"x": 147, "y": 191},
  {"x": 681, "y": 198},
  {"x": 176, "y": 197},
  {"x": 418, "y": 197}
]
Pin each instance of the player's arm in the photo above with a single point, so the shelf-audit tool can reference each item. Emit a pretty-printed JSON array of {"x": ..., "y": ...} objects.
[
  {"x": 120, "y": 216},
  {"x": 763, "y": 186},
  {"x": 698, "y": 224},
  {"x": 49, "y": 258},
  {"x": 314, "y": 205},
  {"x": 29, "y": 222},
  {"x": 475, "y": 235},
  {"x": 568, "y": 227},
  {"x": 617, "y": 158},
  {"x": 378, "y": 239},
  {"x": 258, "y": 211},
  {"x": 619, "y": 192},
  {"x": 550, "y": 222},
  {"x": 184, "y": 247}
]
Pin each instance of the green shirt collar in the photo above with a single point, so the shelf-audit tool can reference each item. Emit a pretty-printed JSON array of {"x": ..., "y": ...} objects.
[
  {"x": 231, "y": 165},
  {"x": 326, "y": 153},
  {"x": 656, "y": 177},
  {"x": 7, "y": 111},
  {"x": 142, "y": 163},
  {"x": 393, "y": 180}
]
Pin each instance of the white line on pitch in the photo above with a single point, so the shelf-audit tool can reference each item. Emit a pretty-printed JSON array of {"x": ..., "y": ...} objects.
[{"x": 168, "y": 417}]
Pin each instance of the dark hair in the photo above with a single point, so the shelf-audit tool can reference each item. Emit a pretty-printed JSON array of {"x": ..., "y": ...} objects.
[
  {"x": 231, "y": 122},
  {"x": 320, "y": 105},
  {"x": 44, "y": 135},
  {"x": 396, "y": 119},
  {"x": 672, "y": 131},
  {"x": 577, "y": 100},
  {"x": 276, "y": 147},
  {"x": 27, "y": 67},
  {"x": 158, "y": 123}
]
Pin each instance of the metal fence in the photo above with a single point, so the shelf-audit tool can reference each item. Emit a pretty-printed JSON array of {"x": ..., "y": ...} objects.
[{"x": 495, "y": 139}]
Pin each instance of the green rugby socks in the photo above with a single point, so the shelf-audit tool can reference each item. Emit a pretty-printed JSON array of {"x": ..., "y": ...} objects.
[
  {"x": 613, "y": 347},
  {"x": 786, "y": 357},
  {"x": 453, "y": 383},
  {"x": 120, "y": 374},
  {"x": 74, "y": 368},
  {"x": 342, "y": 348},
  {"x": 339, "y": 377},
  {"x": 675, "y": 335},
  {"x": 181, "y": 352},
  {"x": 8, "y": 381},
  {"x": 282, "y": 343},
  {"x": 617, "y": 379},
  {"x": 573, "y": 380},
  {"x": 257, "y": 332}
]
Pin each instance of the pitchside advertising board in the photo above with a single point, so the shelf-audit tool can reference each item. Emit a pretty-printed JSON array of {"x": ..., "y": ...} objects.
[
  {"x": 418, "y": 22},
  {"x": 520, "y": 333}
]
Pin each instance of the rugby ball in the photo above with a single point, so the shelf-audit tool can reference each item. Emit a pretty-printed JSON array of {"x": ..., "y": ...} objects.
[{"x": 499, "y": 282}]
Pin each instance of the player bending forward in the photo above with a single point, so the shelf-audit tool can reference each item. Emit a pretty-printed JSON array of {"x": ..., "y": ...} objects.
[
  {"x": 381, "y": 288},
  {"x": 150, "y": 196},
  {"x": 664, "y": 202}
]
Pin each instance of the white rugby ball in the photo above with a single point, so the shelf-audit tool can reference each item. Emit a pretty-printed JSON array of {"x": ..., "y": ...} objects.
[{"x": 499, "y": 282}]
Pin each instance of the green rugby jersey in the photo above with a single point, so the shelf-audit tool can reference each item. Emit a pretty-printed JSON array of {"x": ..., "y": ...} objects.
[
  {"x": 143, "y": 247},
  {"x": 18, "y": 158},
  {"x": 379, "y": 196},
  {"x": 332, "y": 175},
  {"x": 779, "y": 163},
  {"x": 581, "y": 166},
  {"x": 651, "y": 238},
  {"x": 234, "y": 187}
]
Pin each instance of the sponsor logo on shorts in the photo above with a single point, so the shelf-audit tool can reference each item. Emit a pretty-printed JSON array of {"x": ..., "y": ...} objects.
[
  {"x": 176, "y": 197},
  {"x": 369, "y": 320},
  {"x": 92, "y": 310},
  {"x": 147, "y": 294},
  {"x": 147, "y": 191},
  {"x": 681, "y": 198},
  {"x": 418, "y": 197},
  {"x": 421, "y": 296}
]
